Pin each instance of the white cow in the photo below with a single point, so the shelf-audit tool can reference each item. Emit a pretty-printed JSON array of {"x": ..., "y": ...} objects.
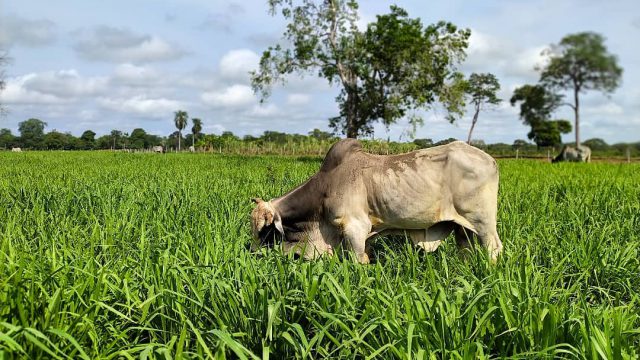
[
  {"x": 157, "y": 149},
  {"x": 572, "y": 154},
  {"x": 16, "y": 149},
  {"x": 355, "y": 196}
]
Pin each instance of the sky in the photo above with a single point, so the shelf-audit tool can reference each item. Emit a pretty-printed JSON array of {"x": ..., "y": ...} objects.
[{"x": 104, "y": 65}]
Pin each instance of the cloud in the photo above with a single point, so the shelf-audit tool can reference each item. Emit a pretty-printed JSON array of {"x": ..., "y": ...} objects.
[
  {"x": 16, "y": 93},
  {"x": 52, "y": 87},
  {"x": 636, "y": 23},
  {"x": 298, "y": 99},
  {"x": 66, "y": 84},
  {"x": 223, "y": 20},
  {"x": 17, "y": 30},
  {"x": 231, "y": 97},
  {"x": 142, "y": 106},
  {"x": 488, "y": 53},
  {"x": 137, "y": 76},
  {"x": 264, "y": 111},
  {"x": 236, "y": 64},
  {"x": 104, "y": 43}
]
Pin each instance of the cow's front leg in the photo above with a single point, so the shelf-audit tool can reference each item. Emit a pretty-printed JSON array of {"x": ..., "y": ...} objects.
[{"x": 355, "y": 232}]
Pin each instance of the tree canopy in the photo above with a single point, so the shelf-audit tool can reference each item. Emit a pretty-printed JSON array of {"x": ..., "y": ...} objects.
[
  {"x": 482, "y": 90},
  {"x": 581, "y": 62},
  {"x": 396, "y": 65}
]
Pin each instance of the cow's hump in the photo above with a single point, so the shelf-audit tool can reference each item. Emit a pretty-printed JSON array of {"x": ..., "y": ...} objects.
[{"x": 340, "y": 152}]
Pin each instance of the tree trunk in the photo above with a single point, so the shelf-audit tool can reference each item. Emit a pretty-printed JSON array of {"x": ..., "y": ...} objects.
[
  {"x": 193, "y": 141},
  {"x": 352, "y": 126},
  {"x": 179, "y": 136},
  {"x": 473, "y": 123},
  {"x": 576, "y": 109}
]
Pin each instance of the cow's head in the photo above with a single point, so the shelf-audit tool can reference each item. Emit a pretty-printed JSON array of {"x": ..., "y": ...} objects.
[{"x": 266, "y": 224}]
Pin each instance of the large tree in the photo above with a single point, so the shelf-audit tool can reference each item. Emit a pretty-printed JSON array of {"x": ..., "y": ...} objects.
[
  {"x": 482, "y": 90},
  {"x": 32, "y": 133},
  {"x": 393, "y": 67},
  {"x": 537, "y": 104},
  {"x": 88, "y": 140},
  {"x": 195, "y": 130},
  {"x": 581, "y": 62},
  {"x": 180, "y": 120},
  {"x": 7, "y": 140}
]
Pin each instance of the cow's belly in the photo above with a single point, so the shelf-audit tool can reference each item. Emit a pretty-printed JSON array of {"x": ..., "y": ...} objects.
[{"x": 410, "y": 198}]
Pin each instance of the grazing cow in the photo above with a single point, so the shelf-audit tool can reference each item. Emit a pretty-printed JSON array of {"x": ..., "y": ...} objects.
[
  {"x": 571, "y": 154},
  {"x": 355, "y": 196},
  {"x": 157, "y": 149},
  {"x": 192, "y": 149},
  {"x": 16, "y": 149}
]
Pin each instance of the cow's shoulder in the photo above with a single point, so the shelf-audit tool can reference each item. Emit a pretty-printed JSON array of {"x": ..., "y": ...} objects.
[{"x": 339, "y": 153}]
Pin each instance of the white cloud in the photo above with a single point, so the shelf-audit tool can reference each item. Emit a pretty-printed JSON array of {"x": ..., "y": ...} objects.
[
  {"x": 134, "y": 75},
  {"x": 236, "y": 64},
  {"x": 264, "y": 111},
  {"x": 298, "y": 99},
  {"x": 143, "y": 106},
  {"x": 104, "y": 43},
  {"x": 16, "y": 30},
  {"x": 233, "y": 96},
  {"x": 16, "y": 92},
  {"x": 66, "y": 84}
]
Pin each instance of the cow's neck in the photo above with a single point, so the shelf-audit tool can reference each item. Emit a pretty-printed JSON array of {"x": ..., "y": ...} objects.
[{"x": 301, "y": 203}]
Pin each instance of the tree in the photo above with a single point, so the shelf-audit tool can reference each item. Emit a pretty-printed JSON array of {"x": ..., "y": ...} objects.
[
  {"x": 32, "y": 133},
  {"x": 482, "y": 89},
  {"x": 195, "y": 130},
  {"x": 548, "y": 133},
  {"x": 88, "y": 140},
  {"x": 581, "y": 62},
  {"x": 320, "y": 135},
  {"x": 181, "y": 118},
  {"x": 395, "y": 66},
  {"x": 138, "y": 139},
  {"x": 116, "y": 138},
  {"x": 537, "y": 104},
  {"x": 7, "y": 139}
]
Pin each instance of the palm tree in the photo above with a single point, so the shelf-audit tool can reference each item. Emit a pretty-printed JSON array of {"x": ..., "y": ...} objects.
[
  {"x": 181, "y": 118},
  {"x": 195, "y": 130}
]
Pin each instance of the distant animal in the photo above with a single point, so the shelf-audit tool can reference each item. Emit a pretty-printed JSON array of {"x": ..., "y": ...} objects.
[
  {"x": 157, "y": 149},
  {"x": 192, "y": 149},
  {"x": 16, "y": 149},
  {"x": 425, "y": 194},
  {"x": 572, "y": 154}
]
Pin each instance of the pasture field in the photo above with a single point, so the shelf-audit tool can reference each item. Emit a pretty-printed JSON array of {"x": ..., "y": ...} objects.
[{"x": 113, "y": 255}]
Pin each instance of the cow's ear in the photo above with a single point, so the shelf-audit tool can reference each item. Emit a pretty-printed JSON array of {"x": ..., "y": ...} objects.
[{"x": 277, "y": 221}]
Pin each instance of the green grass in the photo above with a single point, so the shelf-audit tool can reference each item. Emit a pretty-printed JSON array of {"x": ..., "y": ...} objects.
[{"x": 107, "y": 255}]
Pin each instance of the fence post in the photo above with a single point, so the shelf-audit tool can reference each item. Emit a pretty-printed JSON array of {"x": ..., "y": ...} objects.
[
  {"x": 517, "y": 151},
  {"x": 628, "y": 154},
  {"x": 548, "y": 155}
]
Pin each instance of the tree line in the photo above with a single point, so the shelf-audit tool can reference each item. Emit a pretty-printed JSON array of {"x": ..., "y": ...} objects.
[{"x": 393, "y": 69}]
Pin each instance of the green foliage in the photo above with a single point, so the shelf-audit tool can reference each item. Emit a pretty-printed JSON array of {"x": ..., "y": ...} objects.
[
  {"x": 181, "y": 118},
  {"x": 537, "y": 103},
  {"x": 482, "y": 90},
  {"x": 110, "y": 255},
  {"x": 88, "y": 140},
  {"x": 7, "y": 140},
  {"x": 32, "y": 133},
  {"x": 581, "y": 61},
  {"x": 396, "y": 65},
  {"x": 578, "y": 63},
  {"x": 548, "y": 133}
]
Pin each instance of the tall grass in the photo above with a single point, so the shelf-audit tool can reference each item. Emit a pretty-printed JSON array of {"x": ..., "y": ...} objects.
[{"x": 109, "y": 255}]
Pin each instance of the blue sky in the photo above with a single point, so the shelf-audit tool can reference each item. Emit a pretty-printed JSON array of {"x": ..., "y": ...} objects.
[{"x": 81, "y": 65}]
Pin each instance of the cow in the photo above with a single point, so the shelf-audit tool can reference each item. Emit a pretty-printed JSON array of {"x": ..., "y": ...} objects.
[
  {"x": 16, "y": 149},
  {"x": 192, "y": 149},
  {"x": 572, "y": 154},
  {"x": 425, "y": 194},
  {"x": 157, "y": 149}
]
